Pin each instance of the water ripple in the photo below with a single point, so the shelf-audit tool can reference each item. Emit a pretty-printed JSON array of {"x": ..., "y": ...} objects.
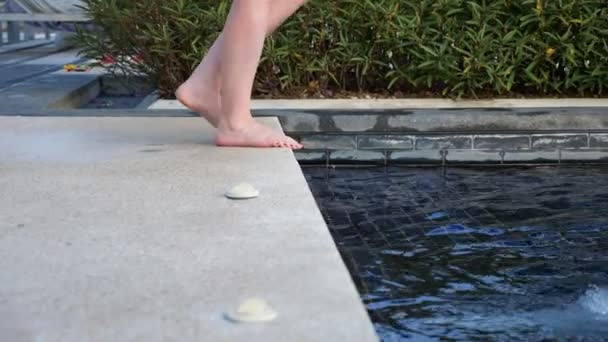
[
  {"x": 595, "y": 301},
  {"x": 511, "y": 259}
]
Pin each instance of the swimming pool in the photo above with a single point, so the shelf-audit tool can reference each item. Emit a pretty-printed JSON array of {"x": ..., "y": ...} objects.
[{"x": 473, "y": 254}]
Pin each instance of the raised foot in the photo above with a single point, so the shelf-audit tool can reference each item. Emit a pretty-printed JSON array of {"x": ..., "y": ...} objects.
[
  {"x": 255, "y": 134},
  {"x": 201, "y": 100}
]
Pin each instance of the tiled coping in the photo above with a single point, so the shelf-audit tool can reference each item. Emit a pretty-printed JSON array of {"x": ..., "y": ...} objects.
[
  {"x": 386, "y": 104},
  {"x": 424, "y": 131}
]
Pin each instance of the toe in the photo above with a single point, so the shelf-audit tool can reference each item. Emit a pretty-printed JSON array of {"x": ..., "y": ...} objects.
[{"x": 293, "y": 144}]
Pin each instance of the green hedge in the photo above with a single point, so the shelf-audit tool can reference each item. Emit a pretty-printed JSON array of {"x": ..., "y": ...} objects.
[{"x": 393, "y": 47}]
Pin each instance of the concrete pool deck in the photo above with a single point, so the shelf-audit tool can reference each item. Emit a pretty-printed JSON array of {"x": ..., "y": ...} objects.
[{"x": 117, "y": 229}]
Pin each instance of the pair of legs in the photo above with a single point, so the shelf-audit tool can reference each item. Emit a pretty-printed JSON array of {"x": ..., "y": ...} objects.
[{"x": 220, "y": 88}]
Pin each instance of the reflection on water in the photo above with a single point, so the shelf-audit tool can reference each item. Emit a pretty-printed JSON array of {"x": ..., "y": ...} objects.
[
  {"x": 586, "y": 317},
  {"x": 595, "y": 301},
  {"x": 500, "y": 254}
]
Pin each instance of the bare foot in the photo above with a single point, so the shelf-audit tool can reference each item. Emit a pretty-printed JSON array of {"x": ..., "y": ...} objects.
[
  {"x": 254, "y": 134},
  {"x": 201, "y": 99}
]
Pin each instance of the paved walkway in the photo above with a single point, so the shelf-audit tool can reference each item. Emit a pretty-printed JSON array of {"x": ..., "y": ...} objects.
[{"x": 116, "y": 229}]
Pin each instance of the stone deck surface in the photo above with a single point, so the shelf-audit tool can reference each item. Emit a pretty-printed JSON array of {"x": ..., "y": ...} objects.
[{"x": 116, "y": 229}]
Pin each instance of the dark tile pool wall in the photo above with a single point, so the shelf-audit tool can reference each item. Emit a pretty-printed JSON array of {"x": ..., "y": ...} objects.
[
  {"x": 440, "y": 148},
  {"x": 473, "y": 254},
  {"x": 436, "y": 136}
]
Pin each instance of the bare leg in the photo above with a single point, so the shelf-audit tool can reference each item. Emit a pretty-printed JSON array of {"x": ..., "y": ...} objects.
[
  {"x": 201, "y": 92},
  {"x": 244, "y": 36}
]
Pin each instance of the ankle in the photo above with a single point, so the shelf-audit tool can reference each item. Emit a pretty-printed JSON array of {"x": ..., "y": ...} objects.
[
  {"x": 192, "y": 87},
  {"x": 233, "y": 124},
  {"x": 182, "y": 90}
]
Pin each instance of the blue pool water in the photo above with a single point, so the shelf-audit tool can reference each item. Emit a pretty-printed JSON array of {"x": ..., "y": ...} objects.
[{"x": 474, "y": 254}]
